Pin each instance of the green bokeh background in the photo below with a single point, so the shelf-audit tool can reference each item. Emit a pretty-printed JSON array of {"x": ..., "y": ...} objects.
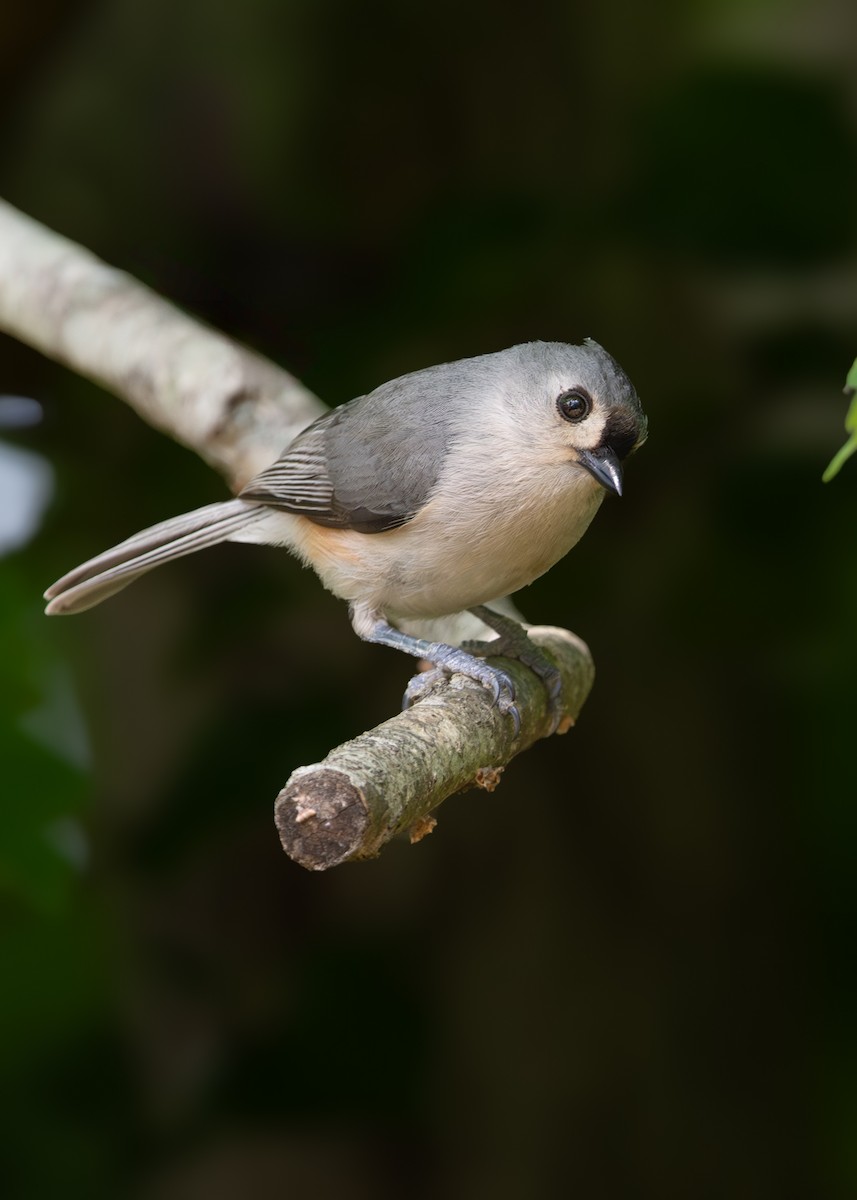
[{"x": 628, "y": 972}]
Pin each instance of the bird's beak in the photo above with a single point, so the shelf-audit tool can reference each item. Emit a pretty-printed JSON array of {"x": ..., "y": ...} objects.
[{"x": 603, "y": 464}]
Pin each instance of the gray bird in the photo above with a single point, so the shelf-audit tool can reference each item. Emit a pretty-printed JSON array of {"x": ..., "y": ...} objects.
[{"x": 438, "y": 493}]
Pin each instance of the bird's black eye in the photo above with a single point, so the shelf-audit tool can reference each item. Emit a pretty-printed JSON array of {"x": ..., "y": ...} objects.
[{"x": 575, "y": 404}]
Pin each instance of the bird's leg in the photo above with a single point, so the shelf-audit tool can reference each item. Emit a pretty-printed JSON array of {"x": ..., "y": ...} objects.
[
  {"x": 513, "y": 642},
  {"x": 371, "y": 626}
]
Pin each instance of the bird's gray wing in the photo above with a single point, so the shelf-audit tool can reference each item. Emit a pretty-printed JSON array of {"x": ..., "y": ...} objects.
[
  {"x": 299, "y": 481},
  {"x": 369, "y": 465}
]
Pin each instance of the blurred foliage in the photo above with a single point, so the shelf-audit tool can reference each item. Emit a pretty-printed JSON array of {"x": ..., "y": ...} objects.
[
  {"x": 627, "y": 972},
  {"x": 42, "y": 842}
]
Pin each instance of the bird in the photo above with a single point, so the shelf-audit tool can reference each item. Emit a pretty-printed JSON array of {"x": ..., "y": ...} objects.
[{"x": 441, "y": 492}]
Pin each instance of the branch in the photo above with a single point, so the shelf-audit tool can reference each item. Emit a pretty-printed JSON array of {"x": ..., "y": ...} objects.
[
  {"x": 389, "y": 780},
  {"x": 238, "y": 411},
  {"x": 233, "y": 407}
]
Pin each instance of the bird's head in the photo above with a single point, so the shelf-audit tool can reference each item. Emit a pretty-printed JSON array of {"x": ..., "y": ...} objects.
[{"x": 577, "y": 405}]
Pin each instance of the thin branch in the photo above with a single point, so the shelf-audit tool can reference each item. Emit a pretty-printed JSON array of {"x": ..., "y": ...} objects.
[{"x": 237, "y": 410}]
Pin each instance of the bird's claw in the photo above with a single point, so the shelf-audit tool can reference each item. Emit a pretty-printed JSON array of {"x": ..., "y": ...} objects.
[
  {"x": 517, "y": 645},
  {"x": 502, "y": 694},
  {"x": 499, "y": 685},
  {"x": 421, "y": 684}
]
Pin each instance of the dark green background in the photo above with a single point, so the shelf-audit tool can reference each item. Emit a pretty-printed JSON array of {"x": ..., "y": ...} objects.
[{"x": 628, "y": 972}]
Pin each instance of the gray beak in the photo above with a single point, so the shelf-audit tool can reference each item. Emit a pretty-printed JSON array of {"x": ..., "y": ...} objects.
[{"x": 603, "y": 465}]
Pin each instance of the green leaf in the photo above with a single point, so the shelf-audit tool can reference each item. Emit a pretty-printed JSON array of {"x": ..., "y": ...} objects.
[{"x": 845, "y": 452}]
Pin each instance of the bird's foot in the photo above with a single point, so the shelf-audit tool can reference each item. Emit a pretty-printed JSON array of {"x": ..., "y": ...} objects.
[
  {"x": 513, "y": 642},
  {"x": 448, "y": 660},
  {"x": 370, "y": 625}
]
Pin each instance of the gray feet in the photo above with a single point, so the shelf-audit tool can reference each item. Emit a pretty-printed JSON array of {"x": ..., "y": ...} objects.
[
  {"x": 468, "y": 660},
  {"x": 452, "y": 660},
  {"x": 513, "y": 642}
]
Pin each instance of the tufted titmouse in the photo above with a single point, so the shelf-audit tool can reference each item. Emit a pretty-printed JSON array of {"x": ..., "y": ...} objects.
[{"x": 437, "y": 493}]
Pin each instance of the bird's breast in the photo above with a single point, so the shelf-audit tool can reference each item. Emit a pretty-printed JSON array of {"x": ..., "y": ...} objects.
[{"x": 460, "y": 552}]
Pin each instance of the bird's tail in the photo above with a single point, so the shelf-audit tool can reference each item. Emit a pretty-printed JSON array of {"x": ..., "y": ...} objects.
[{"x": 107, "y": 573}]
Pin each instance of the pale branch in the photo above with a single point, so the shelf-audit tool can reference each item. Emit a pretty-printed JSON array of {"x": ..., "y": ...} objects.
[
  {"x": 388, "y": 781},
  {"x": 237, "y": 411}
]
